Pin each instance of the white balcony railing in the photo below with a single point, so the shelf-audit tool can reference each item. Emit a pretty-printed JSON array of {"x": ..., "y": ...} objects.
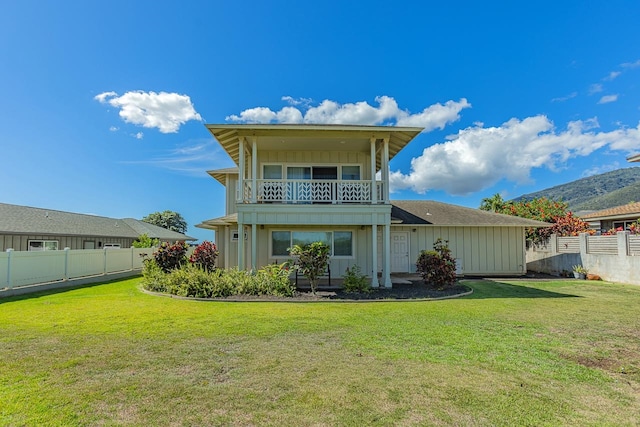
[{"x": 306, "y": 191}]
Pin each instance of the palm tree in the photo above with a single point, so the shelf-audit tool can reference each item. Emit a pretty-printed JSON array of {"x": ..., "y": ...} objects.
[{"x": 493, "y": 204}]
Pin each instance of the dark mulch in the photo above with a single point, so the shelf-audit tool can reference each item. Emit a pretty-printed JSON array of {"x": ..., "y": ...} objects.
[{"x": 416, "y": 290}]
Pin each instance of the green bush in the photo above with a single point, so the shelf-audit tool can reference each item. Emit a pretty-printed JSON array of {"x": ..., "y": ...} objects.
[
  {"x": 190, "y": 280},
  {"x": 154, "y": 279},
  {"x": 437, "y": 267},
  {"x": 355, "y": 282}
]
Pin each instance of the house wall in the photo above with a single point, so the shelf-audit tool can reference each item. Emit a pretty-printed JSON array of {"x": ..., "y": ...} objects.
[
  {"x": 20, "y": 242},
  {"x": 478, "y": 250}
]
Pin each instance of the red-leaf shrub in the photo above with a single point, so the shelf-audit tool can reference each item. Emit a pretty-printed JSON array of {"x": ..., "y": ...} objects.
[
  {"x": 437, "y": 267},
  {"x": 204, "y": 256},
  {"x": 169, "y": 257}
]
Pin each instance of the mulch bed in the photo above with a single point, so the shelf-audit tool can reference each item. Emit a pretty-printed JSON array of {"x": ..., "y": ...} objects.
[{"x": 416, "y": 290}]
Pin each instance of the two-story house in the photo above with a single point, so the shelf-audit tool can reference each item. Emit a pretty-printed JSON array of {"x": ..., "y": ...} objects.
[{"x": 296, "y": 184}]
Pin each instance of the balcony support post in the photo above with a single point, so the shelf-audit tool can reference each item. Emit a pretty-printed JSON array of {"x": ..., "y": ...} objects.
[
  {"x": 374, "y": 255},
  {"x": 385, "y": 169},
  {"x": 254, "y": 169},
  {"x": 374, "y": 188},
  {"x": 240, "y": 172}
]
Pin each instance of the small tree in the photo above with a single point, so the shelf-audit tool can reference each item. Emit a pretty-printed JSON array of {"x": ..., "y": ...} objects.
[
  {"x": 204, "y": 256},
  {"x": 437, "y": 267},
  {"x": 144, "y": 241},
  {"x": 168, "y": 219},
  {"x": 311, "y": 260}
]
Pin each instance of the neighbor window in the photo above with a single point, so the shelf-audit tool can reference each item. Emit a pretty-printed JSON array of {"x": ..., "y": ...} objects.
[
  {"x": 43, "y": 245},
  {"x": 339, "y": 242}
]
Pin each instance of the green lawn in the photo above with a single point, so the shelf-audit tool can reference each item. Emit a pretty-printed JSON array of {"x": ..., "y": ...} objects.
[{"x": 513, "y": 353}]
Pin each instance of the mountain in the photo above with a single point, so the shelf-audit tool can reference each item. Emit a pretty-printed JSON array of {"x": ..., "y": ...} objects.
[{"x": 595, "y": 192}]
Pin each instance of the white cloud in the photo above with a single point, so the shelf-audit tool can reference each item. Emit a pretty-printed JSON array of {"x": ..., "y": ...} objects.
[
  {"x": 331, "y": 112},
  {"x": 138, "y": 135},
  {"x": 479, "y": 157},
  {"x": 565, "y": 98},
  {"x": 608, "y": 98},
  {"x": 297, "y": 101},
  {"x": 114, "y": 128},
  {"x": 612, "y": 75},
  {"x": 595, "y": 88},
  {"x": 635, "y": 64},
  {"x": 597, "y": 170},
  {"x": 192, "y": 158},
  {"x": 164, "y": 111}
]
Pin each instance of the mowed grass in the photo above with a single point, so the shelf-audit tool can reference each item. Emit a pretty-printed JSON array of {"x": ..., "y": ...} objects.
[{"x": 513, "y": 353}]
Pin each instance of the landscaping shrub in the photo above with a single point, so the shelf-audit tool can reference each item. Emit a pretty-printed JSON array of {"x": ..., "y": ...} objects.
[
  {"x": 311, "y": 260},
  {"x": 204, "y": 256},
  {"x": 355, "y": 282},
  {"x": 437, "y": 267},
  {"x": 192, "y": 281},
  {"x": 169, "y": 257},
  {"x": 144, "y": 241},
  {"x": 154, "y": 279}
]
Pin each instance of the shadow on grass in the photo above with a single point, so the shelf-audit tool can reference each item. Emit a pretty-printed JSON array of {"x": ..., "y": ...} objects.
[
  {"x": 492, "y": 288},
  {"x": 60, "y": 288}
]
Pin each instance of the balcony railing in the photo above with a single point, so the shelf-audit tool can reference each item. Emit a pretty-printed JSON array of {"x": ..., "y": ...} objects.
[{"x": 306, "y": 191}]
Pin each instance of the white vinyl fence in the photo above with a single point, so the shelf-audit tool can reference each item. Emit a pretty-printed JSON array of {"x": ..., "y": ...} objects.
[{"x": 27, "y": 268}]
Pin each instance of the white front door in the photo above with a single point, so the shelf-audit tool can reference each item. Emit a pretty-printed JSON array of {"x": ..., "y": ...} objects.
[{"x": 400, "y": 252}]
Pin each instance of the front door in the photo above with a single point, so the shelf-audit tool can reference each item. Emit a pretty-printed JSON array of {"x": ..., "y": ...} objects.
[{"x": 399, "y": 252}]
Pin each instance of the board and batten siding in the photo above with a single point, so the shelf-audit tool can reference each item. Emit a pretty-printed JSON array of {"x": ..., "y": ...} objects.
[
  {"x": 20, "y": 242},
  {"x": 480, "y": 250}
]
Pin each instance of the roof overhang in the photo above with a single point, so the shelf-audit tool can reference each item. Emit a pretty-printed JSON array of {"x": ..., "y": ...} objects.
[
  {"x": 220, "y": 175},
  {"x": 215, "y": 223},
  {"x": 307, "y": 137},
  {"x": 634, "y": 158}
]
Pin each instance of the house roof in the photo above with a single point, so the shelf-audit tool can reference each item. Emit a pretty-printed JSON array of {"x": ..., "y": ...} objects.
[
  {"x": 221, "y": 174},
  {"x": 311, "y": 137},
  {"x": 15, "y": 219},
  {"x": 427, "y": 212},
  {"x": 212, "y": 224},
  {"x": 631, "y": 210},
  {"x": 634, "y": 158}
]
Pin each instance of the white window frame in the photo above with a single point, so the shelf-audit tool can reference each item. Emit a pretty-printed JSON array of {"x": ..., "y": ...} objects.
[
  {"x": 235, "y": 234},
  {"x": 44, "y": 245},
  {"x": 284, "y": 169},
  {"x": 111, "y": 246},
  {"x": 353, "y": 241}
]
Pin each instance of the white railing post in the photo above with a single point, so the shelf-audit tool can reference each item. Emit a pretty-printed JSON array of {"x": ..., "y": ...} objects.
[
  {"x": 66, "y": 263},
  {"x": 104, "y": 269},
  {"x": 10, "y": 252}
]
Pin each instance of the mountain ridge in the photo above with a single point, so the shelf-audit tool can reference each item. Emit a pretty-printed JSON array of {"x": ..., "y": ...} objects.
[{"x": 596, "y": 192}]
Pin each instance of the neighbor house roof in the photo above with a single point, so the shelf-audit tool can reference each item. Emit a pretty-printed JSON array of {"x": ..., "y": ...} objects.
[
  {"x": 427, "y": 212},
  {"x": 15, "y": 219},
  {"x": 634, "y": 158},
  {"x": 311, "y": 137},
  {"x": 624, "y": 211}
]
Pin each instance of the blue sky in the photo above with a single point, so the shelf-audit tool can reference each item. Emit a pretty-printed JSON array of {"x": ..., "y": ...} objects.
[{"x": 102, "y": 104}]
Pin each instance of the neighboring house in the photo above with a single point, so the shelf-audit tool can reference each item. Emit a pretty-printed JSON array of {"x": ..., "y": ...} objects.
[
  {"x": 612, "y": 218},
  {"x": 24, "y": 228},
  {"x": 295, "y": 184},
  {"x": 634, "y": 158}
]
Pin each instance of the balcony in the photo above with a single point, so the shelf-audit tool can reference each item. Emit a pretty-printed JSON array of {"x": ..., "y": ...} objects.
[{"x": 306, "y": 191}]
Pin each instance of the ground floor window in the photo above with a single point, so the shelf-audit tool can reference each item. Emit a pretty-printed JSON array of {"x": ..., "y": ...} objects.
[
  {"x": 43, "y": 245},
  {"x": 340, "y": 242}
]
